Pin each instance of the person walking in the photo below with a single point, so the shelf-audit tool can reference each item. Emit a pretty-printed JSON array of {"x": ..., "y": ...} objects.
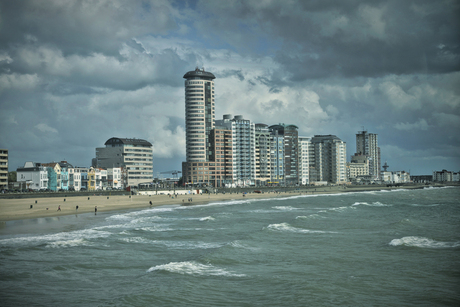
[
  {"x": 95, "y": 210},
  {"x": 59, "y": 208}
]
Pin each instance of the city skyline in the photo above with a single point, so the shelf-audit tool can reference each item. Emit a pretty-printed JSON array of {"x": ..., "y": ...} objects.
[{"x": 76, "y": 74}]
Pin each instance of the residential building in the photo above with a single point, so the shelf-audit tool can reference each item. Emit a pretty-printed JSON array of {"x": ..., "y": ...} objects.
[
  {"x": 133, "y": 155},
  {"x": 199, "y": 122},
  {"x": 114, "y": 179},
  {"x": 396, "y": 177},
  {"x": 304, "y": 153},
  {"x": 442, "y": 176},
  {"x": 74, "y": 179},
  {"x": 330, "y": 159},
  {"x": 54, "y": 175},
  {"x": 276, "y": 158},
  {"x": 358, "y": 168},
  {"x": 367, "y": 144},
  {"x": 3, "y": 169},
  {"x": 34, "y": 176},
  {"x": 199, "y": 114},
  {"x": 262, "y": 151},
  {"x": 243, "y": 148},
  {"x": 285, "y": 152}
]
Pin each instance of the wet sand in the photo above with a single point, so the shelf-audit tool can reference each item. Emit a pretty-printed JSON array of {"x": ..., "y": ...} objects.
[{"x": 26, "y": 208}]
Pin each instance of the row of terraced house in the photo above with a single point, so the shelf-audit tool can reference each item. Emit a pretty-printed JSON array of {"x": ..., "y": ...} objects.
[{"x": 62, "y": 176}]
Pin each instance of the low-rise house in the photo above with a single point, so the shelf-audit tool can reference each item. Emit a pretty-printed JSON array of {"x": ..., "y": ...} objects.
[{"x": 33, "y": 175}]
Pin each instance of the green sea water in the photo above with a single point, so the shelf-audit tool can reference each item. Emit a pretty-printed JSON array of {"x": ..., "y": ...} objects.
[{"x": 397, "y": 248}]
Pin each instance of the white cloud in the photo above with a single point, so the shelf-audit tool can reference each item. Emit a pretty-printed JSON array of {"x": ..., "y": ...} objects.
[{"x": 45, "y": 128}]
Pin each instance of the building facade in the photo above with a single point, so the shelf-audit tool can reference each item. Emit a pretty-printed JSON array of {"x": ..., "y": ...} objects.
[
  {"x": 262, "y": 151},
  {"x": 199, "y": 114},
  {"x": 134, "y": 155},
  {"x": 34, "y": 176},
  {"x": 330, "y": 159},
  {"x": 3, "y": 169},
  {"x": 304, "y": 153},
  {"x": 367, "y": 144},
  {"x": 243, "y": 148}
]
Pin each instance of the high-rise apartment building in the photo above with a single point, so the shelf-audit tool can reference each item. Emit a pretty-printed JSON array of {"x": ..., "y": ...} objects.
[
  {"x": 285, "y": 164},
  {"x": 330, "y": 154},
  {"x": 133, "y": 155},
  {"x": 3, "y": 169},
  {"x": 199, "y": 124},
  {"x": 367, "y": 144},
  {"x": 199, "y": 114},
  {"x": 304, "y": 153},
  {"x": 243, "y": 148},
  {"x": 262, "y": 150}
]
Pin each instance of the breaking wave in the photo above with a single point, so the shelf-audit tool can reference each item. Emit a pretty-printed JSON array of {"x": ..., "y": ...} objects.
[
  {"x": 285, "y": 227},
  {"x": 193, "y": 268},
  {"x": 423, "y": 243}
]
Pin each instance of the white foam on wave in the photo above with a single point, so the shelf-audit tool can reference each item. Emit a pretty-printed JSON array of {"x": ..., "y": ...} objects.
[
  {"x": 135, "y": 214},
  {"x": 207, "y": 218},
  {"x": 311, "y": 216},
  {"x": 69, "y": 243},
  {"x": 238, "y": 244},
  {"x": 190, "y": 244},
  {"x": 423, "y": 242},
  {"x": 285, "y": 227},
  {"x": 374, "y": 204},
  {"x": 85, "y": 234},
  {"x": 285, "y": 208},
  {"x": 193, "y": 268}
]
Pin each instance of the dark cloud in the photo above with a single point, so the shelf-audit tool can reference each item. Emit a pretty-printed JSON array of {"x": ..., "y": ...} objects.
[{"x": 73, "y": 74}]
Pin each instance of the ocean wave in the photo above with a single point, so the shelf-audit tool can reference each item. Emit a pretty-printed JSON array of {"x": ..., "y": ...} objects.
[
  {"x": 207, "y": 218},
  {"x": 285, "y": 227},
  {"x": 423, "y": 242},
  {"x": 285, "y": 208},
  {"x": 69, "y": 243},
  {"x": 374, "y": 204},
  {"x": 134, "y": 214},
  {"x": 238, "y": 244},
  {"x": 193, "y": 268},
  {"x": 311, "y": 216},
  {"x": 57, "y": 237}
]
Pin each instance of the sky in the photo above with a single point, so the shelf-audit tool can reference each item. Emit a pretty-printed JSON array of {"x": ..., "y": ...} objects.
[{"x": 75, "y": 73}]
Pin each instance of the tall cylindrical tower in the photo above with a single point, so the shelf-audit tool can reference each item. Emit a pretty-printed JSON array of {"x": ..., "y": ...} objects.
[{"x": 199, "y": 114}]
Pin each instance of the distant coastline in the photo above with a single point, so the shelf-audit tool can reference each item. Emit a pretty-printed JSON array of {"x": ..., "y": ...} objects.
[{"x": 36, "y": 205}]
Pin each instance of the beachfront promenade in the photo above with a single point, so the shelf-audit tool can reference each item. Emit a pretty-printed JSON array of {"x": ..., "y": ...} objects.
[{"x": 33, "y": 206}]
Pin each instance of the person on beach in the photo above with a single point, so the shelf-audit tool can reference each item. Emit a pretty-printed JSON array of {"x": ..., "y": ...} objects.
[
  {"x": 150, "y": 203},
  {"x": 76, "y": 208},
  {"x": 95, "y": 210},
  {"x": 59, "y": 208}
]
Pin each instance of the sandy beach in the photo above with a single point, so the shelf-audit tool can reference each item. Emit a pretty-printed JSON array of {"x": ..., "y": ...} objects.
[{"x": 30, "y": 208}]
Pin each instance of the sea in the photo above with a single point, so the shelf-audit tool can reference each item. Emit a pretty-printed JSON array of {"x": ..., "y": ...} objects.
[{"x": 380, "y": 248}]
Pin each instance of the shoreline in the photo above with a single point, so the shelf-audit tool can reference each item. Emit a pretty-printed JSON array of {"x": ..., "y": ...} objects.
[{"x": 32, "y": 208}]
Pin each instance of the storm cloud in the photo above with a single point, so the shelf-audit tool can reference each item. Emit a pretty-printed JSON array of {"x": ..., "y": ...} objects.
[{"x": 75, "y": 73}]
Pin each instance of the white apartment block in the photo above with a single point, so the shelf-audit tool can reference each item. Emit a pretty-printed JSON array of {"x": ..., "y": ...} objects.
[
  {"x": 243, "y": 148},
  {"x": 304, "y": 160},
  {"x": 199, "y": 114},
  {"x": 442, "y": 176},
  {"x": 35, "y": 177},
  {"x": 396, "y": 177}
]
